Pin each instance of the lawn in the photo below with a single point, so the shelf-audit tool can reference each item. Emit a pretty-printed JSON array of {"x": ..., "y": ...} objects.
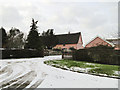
[{"x": 86, "y": 67}]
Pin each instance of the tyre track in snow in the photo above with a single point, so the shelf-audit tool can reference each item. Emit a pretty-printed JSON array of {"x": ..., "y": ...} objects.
[
  {"x": 21, "y": 74},
  {"x": 12, "y": 77},
  {"x": 6, "y": 71},
  {"x": 24, "y": 81},
  {"x": 18, "y": 81},
  {"x": 39, "y": 81}
]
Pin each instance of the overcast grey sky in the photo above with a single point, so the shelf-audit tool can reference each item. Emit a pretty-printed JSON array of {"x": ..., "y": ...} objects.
[{"x": 93, "y": 18}]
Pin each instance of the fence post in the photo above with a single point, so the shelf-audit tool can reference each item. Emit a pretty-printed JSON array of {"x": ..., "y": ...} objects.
[{"x": 62, "y": 55}]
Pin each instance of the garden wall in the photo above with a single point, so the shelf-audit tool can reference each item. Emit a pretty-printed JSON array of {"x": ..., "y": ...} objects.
[{"x": 6, "y": 54}]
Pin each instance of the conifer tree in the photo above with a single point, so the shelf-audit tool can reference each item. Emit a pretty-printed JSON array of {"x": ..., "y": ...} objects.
[
  {"x": 49, "y": 39},
  {"x": 33, "y": 41},
  {"x": 4, "y": 37}
]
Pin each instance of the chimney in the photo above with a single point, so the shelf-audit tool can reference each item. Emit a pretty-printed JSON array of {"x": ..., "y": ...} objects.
[{"x": 69, "y": 32}]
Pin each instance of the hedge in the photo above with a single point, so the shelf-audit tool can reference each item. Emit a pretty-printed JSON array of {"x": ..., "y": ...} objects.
[
  {"x": 24, "y": 53},
  {"x": 98, "y": 55}
]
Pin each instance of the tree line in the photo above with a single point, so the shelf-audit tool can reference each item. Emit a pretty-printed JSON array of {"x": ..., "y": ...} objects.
[{"x": 14, "y": 39}]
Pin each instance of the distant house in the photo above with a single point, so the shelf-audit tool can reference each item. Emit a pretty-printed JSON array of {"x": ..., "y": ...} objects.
[
  {"x": 98, "y": 41},
  {"x": 116, "y": 42},
  {"x": 71, "y": 40}
]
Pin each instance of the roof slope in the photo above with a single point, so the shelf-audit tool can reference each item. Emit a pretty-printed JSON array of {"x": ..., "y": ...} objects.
[
  {"x": 71, "y": 38},
  {"x": 101, "y": 39}
]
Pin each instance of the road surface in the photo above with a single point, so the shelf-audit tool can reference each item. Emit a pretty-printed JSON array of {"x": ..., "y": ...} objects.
[{"x": 33, "y": 73}]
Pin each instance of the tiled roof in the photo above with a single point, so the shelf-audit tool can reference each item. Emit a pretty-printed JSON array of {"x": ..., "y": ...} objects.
[
  {"x": 71, "y": 38},
  {"x": 101, "y": 39}
]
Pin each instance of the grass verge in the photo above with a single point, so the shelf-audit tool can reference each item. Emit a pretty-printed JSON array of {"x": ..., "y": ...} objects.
[{"x": 86, "y": 67}]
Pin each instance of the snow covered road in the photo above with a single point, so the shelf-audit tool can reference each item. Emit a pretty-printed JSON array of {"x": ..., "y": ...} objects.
[{"x": 33, "y": 73}]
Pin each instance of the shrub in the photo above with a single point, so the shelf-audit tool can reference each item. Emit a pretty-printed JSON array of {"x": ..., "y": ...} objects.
[
  {"x": 56, "y": 49},
  {"x": 99, "y": 54},
  {"x": 24, "y": 53}
]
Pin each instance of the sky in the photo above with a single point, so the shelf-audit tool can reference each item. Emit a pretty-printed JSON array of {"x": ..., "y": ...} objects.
[{"x": 90, "y": 17}]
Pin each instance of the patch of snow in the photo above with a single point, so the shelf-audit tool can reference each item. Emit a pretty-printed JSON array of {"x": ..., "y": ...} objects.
[
  {"x": 2, "y": 48},
  {"x": 117, "y": 72},
  {"x": 50, "y": 77},
  {"x": 90, "y": 64},
  {"x": 66, "y": 67},
  {"x": 80, "y": 69}
]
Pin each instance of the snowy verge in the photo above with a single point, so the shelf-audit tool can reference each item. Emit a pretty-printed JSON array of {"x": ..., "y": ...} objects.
[{"x": 86, "y": 70}]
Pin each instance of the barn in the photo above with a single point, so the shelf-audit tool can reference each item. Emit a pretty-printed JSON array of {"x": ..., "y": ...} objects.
[{"x": 70, "y": 40}]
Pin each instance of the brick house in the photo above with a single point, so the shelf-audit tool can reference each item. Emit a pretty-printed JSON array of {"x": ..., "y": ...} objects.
[
  {"x": 98, "y": 41},
  {"x": 71, "y": 40},
  {"x": 116, "y": 42}
]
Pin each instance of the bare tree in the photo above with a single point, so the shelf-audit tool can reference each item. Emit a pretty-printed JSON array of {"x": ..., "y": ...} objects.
[{"x": 15, "y": 39}]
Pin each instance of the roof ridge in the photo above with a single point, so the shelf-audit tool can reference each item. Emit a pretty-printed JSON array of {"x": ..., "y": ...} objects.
[
  {"x": 69, "y": 34},
  {"x": 71, "y": 38}
]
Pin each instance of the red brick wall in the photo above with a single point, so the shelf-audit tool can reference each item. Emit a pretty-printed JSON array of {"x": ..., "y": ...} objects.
[
  {"x": 80, "y": 43},
  {"x": 66, "y": 46}
]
